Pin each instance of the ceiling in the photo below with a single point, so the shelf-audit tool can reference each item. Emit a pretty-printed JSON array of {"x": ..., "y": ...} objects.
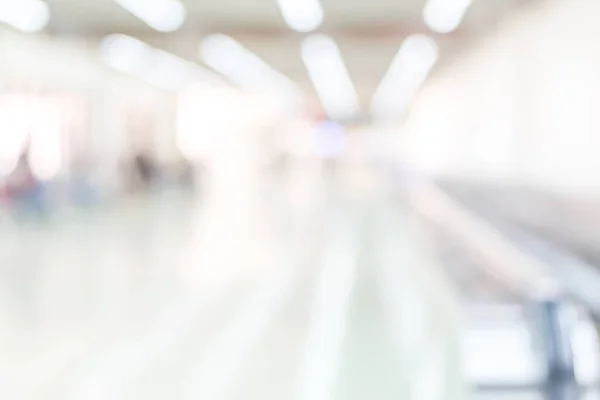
[{"x": 368, "y": 32}]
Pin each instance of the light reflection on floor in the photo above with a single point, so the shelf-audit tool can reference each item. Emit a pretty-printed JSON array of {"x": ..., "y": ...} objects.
[{"x": 322, "y": 295}]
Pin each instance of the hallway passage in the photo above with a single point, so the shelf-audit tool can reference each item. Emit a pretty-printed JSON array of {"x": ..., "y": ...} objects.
[{"x": 340, "y": 301}]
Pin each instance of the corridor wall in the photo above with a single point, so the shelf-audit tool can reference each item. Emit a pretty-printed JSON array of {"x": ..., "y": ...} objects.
[
  {"x": 519, "y": 106},
  {"x": 105, "y": 102}
]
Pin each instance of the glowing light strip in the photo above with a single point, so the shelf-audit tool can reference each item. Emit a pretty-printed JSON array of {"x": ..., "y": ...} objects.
[
  {"x": 25, "y": 15},
  {"x": 409, "y": 69},
  {"x": 154, "y": 66},
  {"x": 302, "y": 15},
  {"x": 445, "y": 16},
  {"x": 161, "y": 15},
  {"x": 330, "y": 77},
  {"x": 244, "y": 68}
]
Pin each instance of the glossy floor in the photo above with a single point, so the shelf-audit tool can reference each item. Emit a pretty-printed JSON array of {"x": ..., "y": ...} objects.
[{"x": 331, "y": 297}]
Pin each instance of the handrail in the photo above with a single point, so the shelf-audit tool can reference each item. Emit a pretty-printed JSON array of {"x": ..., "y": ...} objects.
[
  {"x": 522, "y": 272},
  {"x": 519, "y": 271}
]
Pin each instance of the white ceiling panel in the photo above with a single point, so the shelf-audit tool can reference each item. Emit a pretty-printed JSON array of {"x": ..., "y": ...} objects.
[{"x": 368, "y": 32}]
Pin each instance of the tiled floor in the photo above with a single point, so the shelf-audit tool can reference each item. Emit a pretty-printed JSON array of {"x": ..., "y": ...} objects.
[{"x": 157, "y": 299}]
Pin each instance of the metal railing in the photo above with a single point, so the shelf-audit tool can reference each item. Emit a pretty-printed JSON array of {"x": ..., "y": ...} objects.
[{"x": 550, "y": 279}]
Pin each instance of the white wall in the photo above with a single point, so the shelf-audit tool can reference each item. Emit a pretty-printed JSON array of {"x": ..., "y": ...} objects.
[
  {"x": 39, "y": 64},
  {"x": 520, "y": 105}
]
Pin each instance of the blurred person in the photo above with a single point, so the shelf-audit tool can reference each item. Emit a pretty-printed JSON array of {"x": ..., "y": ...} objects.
[
  {"x": 25, "y": 192},
  {"x": 4, "y": 200},
  {"x": 145, "y": 167},
  {"x": 145, "y": 171}
]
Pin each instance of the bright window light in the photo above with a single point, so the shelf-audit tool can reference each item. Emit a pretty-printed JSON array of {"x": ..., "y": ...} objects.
[
  {"x": 204, "y": 121},
  {"x": 409, "y": 69},
  {"x": 161, "y": 15},
  {"x": 46, "y": 150},
  {"x": 13, "y": 130},
  {"x": 302, "y": 15},
  {"x": 585, "y": 346},
  {"x": 330, "y": 77},
  {"x": 154, "y": 66},
  {"x": 244, "y": 68},
  {"x": 25, "y": 15},
  {"x": 445, "y": 16},
  {"x": 500, "y": 356}
]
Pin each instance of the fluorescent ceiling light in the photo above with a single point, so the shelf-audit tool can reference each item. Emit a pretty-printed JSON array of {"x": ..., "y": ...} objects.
[
  {"x": 445, "y": 16},
  {"x": 330, "y": 77},
  {"x": 244, "y": 68},
  {"x": 154, "y": 66},
  {"x": 25, "y": 15},
  {"x": 409, "y": 69},
  {"x": 302, "y": 15},
  {"x": 161, "y": 15}
]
